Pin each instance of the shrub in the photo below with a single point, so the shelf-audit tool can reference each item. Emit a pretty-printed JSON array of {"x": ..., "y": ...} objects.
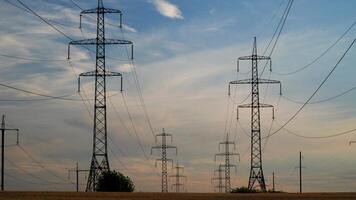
[{"x": 112, "y": 181}]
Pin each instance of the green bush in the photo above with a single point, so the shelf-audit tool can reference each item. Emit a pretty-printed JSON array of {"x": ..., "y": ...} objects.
[
  {"x": 244, "y": 190},
  {"x": 112, "y": 181}
]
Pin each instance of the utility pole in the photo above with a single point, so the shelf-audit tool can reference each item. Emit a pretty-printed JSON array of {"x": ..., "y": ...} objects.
[
  {"x": 300, "y": 172},
  {"x": 220, "y": 179},
  {"x": 3, "y": 129},
  {"x": 178, "y": 176},
  {"x": 273, "y": 188},
  {"x": 77, "y": 171},
  {"x": 227, "y": 154},
  {"x": 163, "y": 147},
  {"x": 100, "y": 162},
  {"x": 256, "y": 171}
]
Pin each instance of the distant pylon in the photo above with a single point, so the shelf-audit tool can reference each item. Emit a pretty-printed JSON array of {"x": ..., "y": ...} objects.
[
  {"x": 178, "y": 176},
  {"x": 256, "y": 171},
  {"x": 219, "y": 179},
  {"x": 227, "y": 154},
  {"x": 163, "y": 147},
  {"x": 100, "y": 161}
]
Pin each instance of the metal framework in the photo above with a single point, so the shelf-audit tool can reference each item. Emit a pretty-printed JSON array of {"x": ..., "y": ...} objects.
[
  {"x": 3, "y": 129},
  {"x": 163, "y": 147},
  {"x": 256, "y": 172},
  {"x": 100, "y": 162},
  {"x": 178, "y": 176},
  {"x": 219, "y": 178},
  {"x": 227, "y": 154}
]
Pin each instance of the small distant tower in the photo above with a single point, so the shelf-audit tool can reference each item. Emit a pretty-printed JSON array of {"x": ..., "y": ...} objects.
[
  {"x": 163, "y": 147},
  {"x": 178, "y": 176},
  {"x": 227, "y": 154},
  {"x": 219, "y": 178}
]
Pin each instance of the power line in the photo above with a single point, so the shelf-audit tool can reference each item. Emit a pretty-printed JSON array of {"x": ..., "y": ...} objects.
[
  {"x": 31, "y": 59},
  {"x": 134, "y": 127},
  {"x": 318, "y": 137},
  {"x": 31, "y": 174},
  {"x": 63, "y": 97},
  {"x": 40, "y": 164},
  {"x": 321, "y": 55},
  {"x": 281, "y": 25},
  {"x": 139, "y": 90},
  {"x": 322, "y": 100},
  {"x": 44, "y": 20},
  {"x": 316, "y": 91}
]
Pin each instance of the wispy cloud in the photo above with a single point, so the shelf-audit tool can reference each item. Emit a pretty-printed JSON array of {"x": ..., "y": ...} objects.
[{"x": 167, "y": 9}]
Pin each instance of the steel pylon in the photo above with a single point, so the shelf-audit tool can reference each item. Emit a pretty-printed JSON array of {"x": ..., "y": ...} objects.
[
  {"x": 227, "y": 154},
  {"x": 99, "y": 162},
  {"x": 164, "y": 160},
  {"x": 256, "y": 170}
]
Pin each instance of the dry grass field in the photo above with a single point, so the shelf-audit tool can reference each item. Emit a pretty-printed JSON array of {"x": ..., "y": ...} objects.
[{"x": 169, "y": 196}]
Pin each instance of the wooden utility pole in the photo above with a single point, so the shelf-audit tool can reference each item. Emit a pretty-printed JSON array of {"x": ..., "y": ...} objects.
[{"x": 3, "y": 129}]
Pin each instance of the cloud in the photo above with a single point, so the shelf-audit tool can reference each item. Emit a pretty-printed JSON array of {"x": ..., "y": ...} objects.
[{"x": 167, "y": 9}]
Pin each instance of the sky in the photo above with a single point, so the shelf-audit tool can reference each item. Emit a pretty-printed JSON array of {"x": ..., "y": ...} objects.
[{"x": 185, "y": 55}]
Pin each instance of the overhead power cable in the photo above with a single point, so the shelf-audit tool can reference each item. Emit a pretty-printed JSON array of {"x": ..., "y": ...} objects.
[
  {"x": 316, "y": 91},
  {"x": 322, "y": 100},
  {"x": 28, "y": 154},
  {"x": 320, "y": 56},
  {"x": 44, "y": 20},
  {"x": 279, "y": 29},
  {"x": 318, "y": 137}
]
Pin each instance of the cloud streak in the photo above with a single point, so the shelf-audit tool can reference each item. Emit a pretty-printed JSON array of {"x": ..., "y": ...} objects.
[{"x": 167, "y": 9}]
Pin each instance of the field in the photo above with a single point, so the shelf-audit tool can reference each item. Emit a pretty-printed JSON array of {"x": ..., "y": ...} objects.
[{"x": 173, "y": 196}]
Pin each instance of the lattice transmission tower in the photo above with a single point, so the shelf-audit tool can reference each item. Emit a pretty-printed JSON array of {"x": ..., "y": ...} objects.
[
  {"x": 219, "y": 178},
  {"x": 227, "y": 154},
  {"x": 163, "y": 147},
  {"x": 178, "y": 176},
  {"x": 100, "y": 162},
  {"x": 256, "y": 171}
]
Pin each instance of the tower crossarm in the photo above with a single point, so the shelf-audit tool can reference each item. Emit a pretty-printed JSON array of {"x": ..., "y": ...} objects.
[
  {"x": 249, "y": 105},
  {"x": 254, "y": 57},
  {"x": 261, "y": 105},
  {"x": 258, "y": 81},
  {"x": 164, "y": 146},
  {"x": 94, "y": 41},
  {"x": 163, "y": 160},
  {"x": 99, "y": 73},
  {"x": 100, "y": 11}
]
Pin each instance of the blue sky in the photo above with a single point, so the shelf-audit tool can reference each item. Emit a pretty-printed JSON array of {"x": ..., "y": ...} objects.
[{"x": 185, "y": 54}]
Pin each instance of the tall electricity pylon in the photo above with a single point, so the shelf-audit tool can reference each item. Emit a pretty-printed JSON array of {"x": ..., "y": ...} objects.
[
  {"x": 227, "y": 154},
  {"x": 100, "y": 162},
  {"x": 219, "y": 178},
  {"x": 256, "y": 172},
  {"x": 163, "y": 147},
  {"x": 178, "y": 176},
  {"x": 3, "y": 129}
]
